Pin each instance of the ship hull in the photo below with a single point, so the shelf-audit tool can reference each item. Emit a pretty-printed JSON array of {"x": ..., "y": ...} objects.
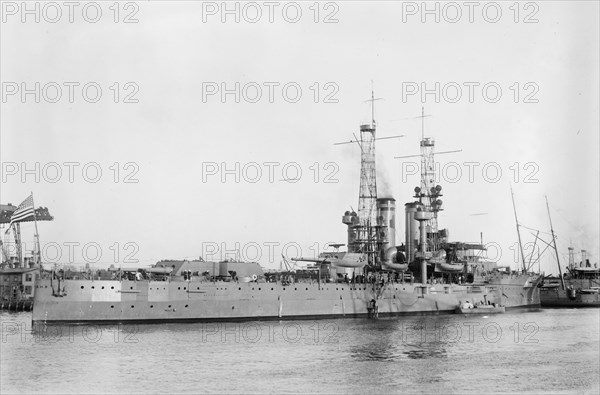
[
  {"x": 579, "y": 293},
  {"x": 84, "y": 301},
  {"x": 554, "y": 297}
]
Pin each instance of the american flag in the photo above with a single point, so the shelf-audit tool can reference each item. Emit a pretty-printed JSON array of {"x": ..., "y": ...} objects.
[{"x": 23, "y": 212}]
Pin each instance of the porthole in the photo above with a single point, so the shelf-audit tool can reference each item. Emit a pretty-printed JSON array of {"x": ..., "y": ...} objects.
[
  {"x": 93, "y": 287},
  {"x": 151, "y": 306},
  {"x": 179, "y": 288},
  {"x": 186, "y": 305},
  {"x": 103, "y": 287},
  {"x": 112, "y": 287},
  {"x": 169, "y": 306},
  {"x": 82, "y": 287},
  {"x": 239, "y": 289},
  {"x": 132, "y": 306},
  {"x": 112, "y": 307}
]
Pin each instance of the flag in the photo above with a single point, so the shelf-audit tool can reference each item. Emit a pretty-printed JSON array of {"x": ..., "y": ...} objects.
[{"x": 23, "y": 212}]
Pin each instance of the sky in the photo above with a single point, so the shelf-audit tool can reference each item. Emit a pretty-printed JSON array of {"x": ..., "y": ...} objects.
[{"x": 171, "y": 130}]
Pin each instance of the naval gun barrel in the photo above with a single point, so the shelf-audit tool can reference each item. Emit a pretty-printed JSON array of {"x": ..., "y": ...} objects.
[{"x": 301, "y": 259}]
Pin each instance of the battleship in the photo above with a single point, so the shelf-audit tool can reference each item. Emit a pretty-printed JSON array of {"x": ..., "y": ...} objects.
[{"x": 374, "y": 277}]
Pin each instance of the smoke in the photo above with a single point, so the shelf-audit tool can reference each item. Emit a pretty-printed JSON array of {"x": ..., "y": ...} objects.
[
  {"x": 384, "y": 188},
  {"x": 386, "y": 179},
  {"x": 572, "y": 231}
]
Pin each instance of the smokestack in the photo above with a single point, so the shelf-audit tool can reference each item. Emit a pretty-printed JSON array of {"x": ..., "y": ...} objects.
[
  {"x": 571, "y": 258},
  {"x": 423, "y": 216},
  {"x": 411, "y": 229},
  {"x": 386, "y": 210}
]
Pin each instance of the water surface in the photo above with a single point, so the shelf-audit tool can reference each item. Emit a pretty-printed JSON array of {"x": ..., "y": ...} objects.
[{"x": 555, "y": 351}]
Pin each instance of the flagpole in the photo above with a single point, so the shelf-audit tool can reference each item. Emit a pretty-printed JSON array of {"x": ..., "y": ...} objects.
[
  {"x": 37, "y": 235},
  {"x": 17, "y": 235}
]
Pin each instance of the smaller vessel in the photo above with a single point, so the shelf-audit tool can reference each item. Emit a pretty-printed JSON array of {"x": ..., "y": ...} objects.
[
  {"x": 19, "y": 268},
  {"x": 468, "y": 308},
  {"x": 579, "y": 287}
]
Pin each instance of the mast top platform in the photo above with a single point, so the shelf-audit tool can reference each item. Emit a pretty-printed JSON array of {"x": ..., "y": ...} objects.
[
  {"x": 427, "y": 142},
  {"x": 367, "y": 128}
]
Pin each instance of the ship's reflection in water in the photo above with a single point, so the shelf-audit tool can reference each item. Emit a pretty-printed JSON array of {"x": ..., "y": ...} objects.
[
  {"x": 427, "y": 351},
  {"x": 395, "y": 340}
]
